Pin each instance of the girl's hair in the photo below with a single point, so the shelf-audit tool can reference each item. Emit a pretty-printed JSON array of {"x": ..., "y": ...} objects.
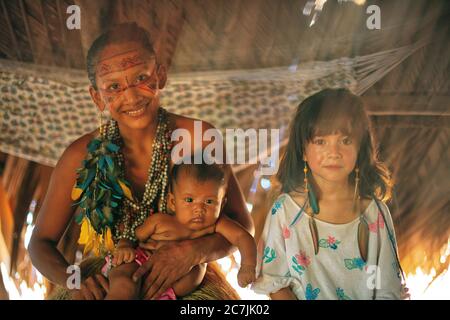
[{"x": 333, "y": 111}]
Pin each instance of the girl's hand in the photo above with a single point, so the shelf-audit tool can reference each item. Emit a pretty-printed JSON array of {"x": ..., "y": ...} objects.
[
  {"x": 246, "y": 275},
  {"x": 93, "y": 288},
  {"x": 123, "y": 255},
  {"x": 166, "y": 265}
]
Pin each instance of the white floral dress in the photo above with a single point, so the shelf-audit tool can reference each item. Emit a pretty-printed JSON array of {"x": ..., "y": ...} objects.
[{"x": 286, "y": 256}]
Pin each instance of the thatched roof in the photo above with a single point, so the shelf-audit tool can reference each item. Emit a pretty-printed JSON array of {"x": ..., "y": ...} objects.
[{"x": 410, "y": 106}]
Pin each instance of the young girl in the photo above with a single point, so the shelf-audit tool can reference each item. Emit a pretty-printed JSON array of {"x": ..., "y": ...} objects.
[{"x": 329, "y": 235}]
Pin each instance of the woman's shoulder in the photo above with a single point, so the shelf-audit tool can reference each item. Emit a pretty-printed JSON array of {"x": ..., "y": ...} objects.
[
  {"x": 76, "y": 151},
  {"x": 183, "y": 122}
]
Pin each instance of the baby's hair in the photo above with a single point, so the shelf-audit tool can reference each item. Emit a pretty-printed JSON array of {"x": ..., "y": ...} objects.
[
  {"x": 201, "y": 172},
  {"x": 333, "y": 111},
  {"x": 124, "y": 32}
]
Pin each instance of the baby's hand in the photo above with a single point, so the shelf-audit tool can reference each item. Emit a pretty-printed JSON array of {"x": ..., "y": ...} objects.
[
  {"x": 123, "y": 255},
  {"x": 246, "y": 275}
]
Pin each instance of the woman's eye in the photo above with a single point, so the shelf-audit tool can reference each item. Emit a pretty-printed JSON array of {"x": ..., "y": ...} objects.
[
  {"x": 114, "y": 87},
  {"x": 141, "y": 77},
  {"x": 188, "y": 199}
]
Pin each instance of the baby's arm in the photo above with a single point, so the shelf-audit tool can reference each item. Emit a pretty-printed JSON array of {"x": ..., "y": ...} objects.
[
  {"x": 191, "y": 281},
  {"x": 124, "y": 252},
  {"x": 240, "y": 237}
]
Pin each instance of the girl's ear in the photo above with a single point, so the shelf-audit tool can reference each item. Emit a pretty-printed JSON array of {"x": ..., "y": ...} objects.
[
  {"x": 224, "y": 201},
  {"x": 95, "y": 95},
  {"x": 162, "y": 76}
]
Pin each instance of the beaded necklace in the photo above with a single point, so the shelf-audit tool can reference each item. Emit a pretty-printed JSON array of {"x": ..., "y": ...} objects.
[{"x": 134, "y": 212}]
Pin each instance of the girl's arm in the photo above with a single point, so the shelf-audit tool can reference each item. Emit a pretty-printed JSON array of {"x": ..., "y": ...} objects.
[
  {"x": 389, "y": 283},
  {"x": 274, "y": 277},
  {"x": 283, "y": 294}
]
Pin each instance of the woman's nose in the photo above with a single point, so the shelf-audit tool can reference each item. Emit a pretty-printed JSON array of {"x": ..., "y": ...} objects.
[{"x": 131, "y": 95}]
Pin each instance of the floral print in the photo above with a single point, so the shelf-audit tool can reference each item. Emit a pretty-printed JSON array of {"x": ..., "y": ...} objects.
[
  {"x": 341, "y": 294},
  {"x": 311, "y": 294},
  {"x": 331, "y": 243},
  {"x": 300, "y": 262},
  {"x": 355, "y": 263},
  {"x": 269, "y": 255}
]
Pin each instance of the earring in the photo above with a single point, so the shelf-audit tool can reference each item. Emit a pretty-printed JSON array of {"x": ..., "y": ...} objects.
[
  {"x": 101, "y": 126},
  {"x": 305, "y": 179},
  {"x": 315, "y": 210},
  {"x": 363, "y": 227}
]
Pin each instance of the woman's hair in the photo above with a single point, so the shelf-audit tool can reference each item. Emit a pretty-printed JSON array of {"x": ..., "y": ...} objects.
[
  {"x": 124, "y": 32},
  {"x": 327, "y": 112}
]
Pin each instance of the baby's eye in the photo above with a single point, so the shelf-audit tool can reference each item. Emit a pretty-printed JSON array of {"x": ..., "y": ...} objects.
[
  {"x": 113, "y": 87},
  {"x": 347, "y": 140},
  {"x": 209, "y": 201},
  {"x": 188, "y": 199}
]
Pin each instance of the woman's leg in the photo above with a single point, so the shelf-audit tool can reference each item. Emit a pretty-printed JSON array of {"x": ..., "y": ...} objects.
[{"x": 121, "y": 284}]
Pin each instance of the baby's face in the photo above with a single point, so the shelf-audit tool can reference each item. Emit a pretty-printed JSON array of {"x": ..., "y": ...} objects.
[{"x": 197, "y": 204}]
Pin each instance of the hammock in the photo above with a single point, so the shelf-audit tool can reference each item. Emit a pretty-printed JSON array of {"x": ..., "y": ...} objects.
[{"x": 44, "y": 109}]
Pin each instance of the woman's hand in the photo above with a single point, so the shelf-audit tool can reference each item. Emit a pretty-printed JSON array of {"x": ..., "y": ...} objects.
[
  {"x": 93, "y": 288},
  {"x": 171, "y": 261}
]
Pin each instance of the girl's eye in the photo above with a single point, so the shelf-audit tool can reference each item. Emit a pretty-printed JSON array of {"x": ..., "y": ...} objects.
[
  {"x": 188, "y": 199},
  {"x": 319, "y": 141},
  {"x": 347, "y": 141}
]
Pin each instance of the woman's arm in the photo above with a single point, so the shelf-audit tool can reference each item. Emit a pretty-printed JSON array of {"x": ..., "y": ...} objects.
[{"x": 54, "y": 217}]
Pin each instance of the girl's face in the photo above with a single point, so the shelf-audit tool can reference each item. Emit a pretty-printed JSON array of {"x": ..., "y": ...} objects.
[{"x": 331, "y": 157}]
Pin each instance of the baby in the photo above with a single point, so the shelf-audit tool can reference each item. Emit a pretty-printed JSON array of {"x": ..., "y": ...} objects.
[{"x": 196, "y": 197}]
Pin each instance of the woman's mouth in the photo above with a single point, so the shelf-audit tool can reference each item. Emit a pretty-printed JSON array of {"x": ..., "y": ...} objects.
[{"x": 136, "y": 113}]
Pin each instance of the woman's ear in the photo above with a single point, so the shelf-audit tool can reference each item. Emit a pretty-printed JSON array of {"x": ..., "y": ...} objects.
[
  {"x": 95, "y": 95},
  {"x": 162, "y": 76}
]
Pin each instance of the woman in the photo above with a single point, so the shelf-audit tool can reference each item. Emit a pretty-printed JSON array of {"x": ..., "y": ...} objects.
[{"x": 126, "y": 79}]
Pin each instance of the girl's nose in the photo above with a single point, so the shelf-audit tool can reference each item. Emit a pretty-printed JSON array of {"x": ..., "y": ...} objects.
[{"x": 334, "y": 150}]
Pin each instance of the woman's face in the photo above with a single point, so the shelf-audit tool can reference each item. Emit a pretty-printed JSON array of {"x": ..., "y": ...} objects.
[
  {"x": 331, "y": 157},
  {"x": 127, "y": 84}
]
